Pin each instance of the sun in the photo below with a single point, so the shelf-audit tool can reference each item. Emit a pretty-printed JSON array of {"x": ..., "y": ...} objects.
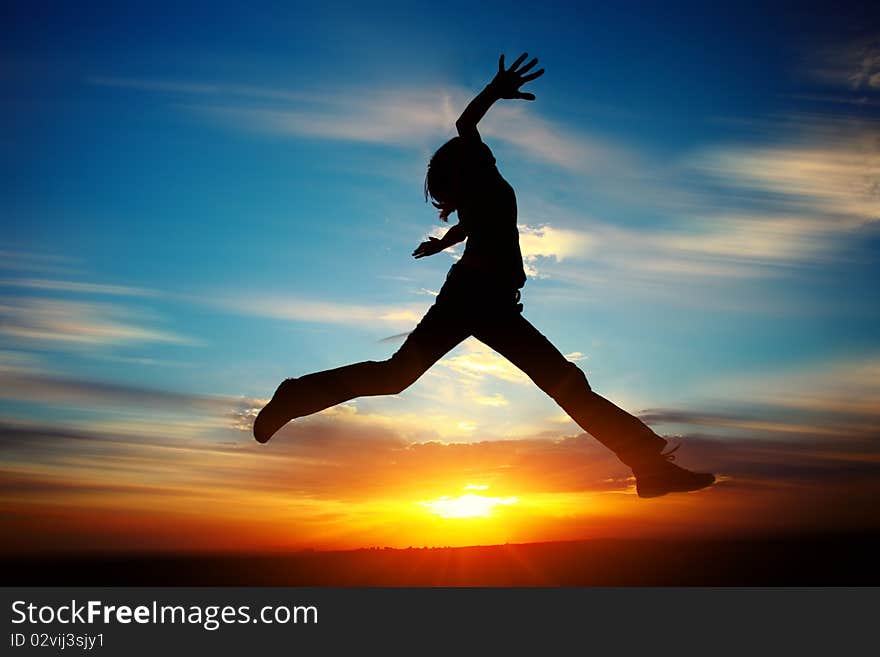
[{"x": 469, "y": 505}]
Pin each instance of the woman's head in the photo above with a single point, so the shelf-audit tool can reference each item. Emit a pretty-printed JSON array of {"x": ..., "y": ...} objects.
[{"x": 449, "y": 171}]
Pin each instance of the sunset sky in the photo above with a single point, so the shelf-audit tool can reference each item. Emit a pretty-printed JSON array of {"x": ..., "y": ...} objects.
[{"x": 198, "y": 202}]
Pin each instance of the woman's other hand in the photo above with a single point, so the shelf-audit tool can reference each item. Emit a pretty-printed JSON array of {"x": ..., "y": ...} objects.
[{"x": 432, "y": 246}]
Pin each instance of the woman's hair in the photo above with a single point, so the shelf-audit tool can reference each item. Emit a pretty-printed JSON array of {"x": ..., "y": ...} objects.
[{"x": 445, "y": 179}]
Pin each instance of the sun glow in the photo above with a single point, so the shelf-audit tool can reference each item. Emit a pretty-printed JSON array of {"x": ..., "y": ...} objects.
[{"x": 469, "y": 505}]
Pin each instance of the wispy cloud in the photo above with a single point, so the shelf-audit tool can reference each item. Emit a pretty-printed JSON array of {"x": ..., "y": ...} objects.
[
  {"x": 846, "y": 386},
  {"x": 123, "y": 408},
  {"x": 18, "y": 260},
  {"x": 71, "y": 323},
  {"x": 18, "y": 362},
  {"x": 333, "y": 477},
  {"x": 798, "y": 201},
  {"x": 24, "y": 384},
  {"x": 78, "y": 287},
  {"x": 831, "y": 174},
  {"x": 837, "y": 397},
  {"x": 747, "y": 239},
  {"x": 399, "y": 118},
  {"x": 787, "y": 203},
  {"x": 746, "y": 424},
  {"x": 324, "y": 312},
  {"x": 557, "y": 144},
  {"x": 413, "y": 116},
  {"x": 197, "y": 88},
  {"x": 728, "y": 249},
  {"x": 854, "y": 65},
  {"x": 792, "y": 203}
]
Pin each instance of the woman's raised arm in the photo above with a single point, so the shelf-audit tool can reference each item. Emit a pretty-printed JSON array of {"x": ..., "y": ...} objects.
[{"x": 505, "y": 84}]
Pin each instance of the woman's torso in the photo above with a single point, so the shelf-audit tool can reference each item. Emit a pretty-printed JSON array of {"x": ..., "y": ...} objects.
[{"x": 492, "y": 249}]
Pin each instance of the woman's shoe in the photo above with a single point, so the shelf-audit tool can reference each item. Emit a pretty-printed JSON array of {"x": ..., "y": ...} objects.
[
  {"x": 278, "y": 412},
  {"x": 658, "y": 476}
]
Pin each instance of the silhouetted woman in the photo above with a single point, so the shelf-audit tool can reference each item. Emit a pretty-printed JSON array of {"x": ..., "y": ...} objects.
[{"x": 481, "y": 298}]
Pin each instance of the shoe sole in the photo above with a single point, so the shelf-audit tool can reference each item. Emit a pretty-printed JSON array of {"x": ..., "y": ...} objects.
[{"x": 648, "y": 493}]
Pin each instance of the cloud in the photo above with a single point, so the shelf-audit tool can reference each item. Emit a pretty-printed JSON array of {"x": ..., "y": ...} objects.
[
  {"x": 63, "y": 319},
  {"x": 835, "y": 398},
  {"x": 801, "y": 199},
  {"x": 789, "y": 202},
  {"x": 797, "y": 200},
  {"x": 197, "y": 88},
  {"x": 831, "y": 175},
  {"x": 779, "y": 206},
  {"x": 727, "y": 249},
  {"x": 496, "y": 400},
  {"x": 44, "y": 388},
  {"x": 755, "y": 210},
  {"x": 540, "y": 242},
  {"x": 42, "y": 320},
  {"x": 854, "y": 65},
  {"x": 850, "y": 387},
  {"x": 800, "y": 464},
  {"x": 425, "y": 424},
  {"x": 407, "y": 122},
  {"x": 341, "y": 477},
  {"x": 554, "y": 143},
  {"x": 31, "y": 261},
  {"x": 755, "y": 239},
  {"x": 77, "y": 287},
  {"x": 325, "y": 457},
  {"x": 122, "y": 408},
  {"x": 396, "y": 117},
  {"x": 546, "y": 241},
  {"x": 746, "y": 424},
  {"x": 18, "y": 362},
  {"x": 480, "y": 363},
  {"x": 324, "y": 312},
  {"x": 342, "y": 458},
  {"x": 402, "y": 116}
]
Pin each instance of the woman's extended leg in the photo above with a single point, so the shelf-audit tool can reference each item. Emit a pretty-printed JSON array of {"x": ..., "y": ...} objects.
[
  {"x": 440, "y": 330},
  {"x": 627, "y": 436},
  {"x": 523, "y": 345}
]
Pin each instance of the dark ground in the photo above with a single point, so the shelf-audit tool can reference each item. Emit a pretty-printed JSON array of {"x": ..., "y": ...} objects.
[{"x": 835, "y": 560}]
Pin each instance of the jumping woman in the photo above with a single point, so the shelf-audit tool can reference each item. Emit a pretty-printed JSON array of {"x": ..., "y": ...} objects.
[{"x": 481, "y": 298}]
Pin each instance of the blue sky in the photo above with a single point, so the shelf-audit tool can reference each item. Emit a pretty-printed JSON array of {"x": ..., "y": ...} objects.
[{"x": 200, "y": 201}]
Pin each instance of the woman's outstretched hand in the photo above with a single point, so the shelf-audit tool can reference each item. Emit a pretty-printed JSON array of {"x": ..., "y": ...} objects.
[
  {"x": 432, "y": 246},
  {"x": 507, "y": 82}
]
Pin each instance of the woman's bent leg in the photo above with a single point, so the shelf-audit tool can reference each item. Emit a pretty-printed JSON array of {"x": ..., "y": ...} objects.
[
  {"x": 439, "y": 331},
  {"x": 633, "y": 442},
  {"x": 523, "y": 345}
]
